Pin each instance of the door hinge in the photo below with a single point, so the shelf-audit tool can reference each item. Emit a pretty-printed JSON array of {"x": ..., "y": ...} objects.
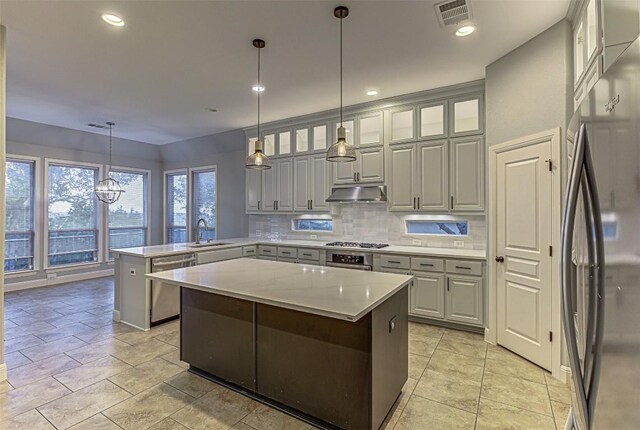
[
  {"x": 550, "y": 336},
  {"x": 550, "y": 163},
  {"x": 550, "y": 251}
]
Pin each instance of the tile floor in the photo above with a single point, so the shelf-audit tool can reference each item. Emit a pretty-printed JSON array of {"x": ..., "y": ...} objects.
[{"x": 70, "y": 366}]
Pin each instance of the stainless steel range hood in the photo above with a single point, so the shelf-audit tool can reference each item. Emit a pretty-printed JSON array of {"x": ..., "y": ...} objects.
[{"x": 371, "y": 194}]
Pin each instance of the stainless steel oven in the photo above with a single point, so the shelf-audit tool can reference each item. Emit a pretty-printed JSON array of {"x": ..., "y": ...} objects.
[{"x": 350, "y": 260}]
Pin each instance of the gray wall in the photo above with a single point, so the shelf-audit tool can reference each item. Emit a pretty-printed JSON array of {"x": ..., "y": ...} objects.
[
  {"x": 227, "y": 152},
  {"x": 530, "y": 89},
  {"x": 46, "y": 141}
]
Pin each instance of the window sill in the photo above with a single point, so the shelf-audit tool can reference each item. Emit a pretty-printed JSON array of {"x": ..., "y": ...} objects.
[
  {"x": 20, "y": 274},
  {"x": 70, "y": 267}
]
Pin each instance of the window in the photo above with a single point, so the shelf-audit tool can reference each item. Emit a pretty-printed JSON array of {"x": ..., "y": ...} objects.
[
  {"x": 128, "y": 216},
  {"x": 447, "y": 228},
  {"x": 610, "y": 230},
  {"x": 72, "y": 213},
  {"x": 19, "y": 216},
  {"x": 312, "y": 224},
  {"x": 204, "y": 200},
  {"x": 176, "y": 210}
]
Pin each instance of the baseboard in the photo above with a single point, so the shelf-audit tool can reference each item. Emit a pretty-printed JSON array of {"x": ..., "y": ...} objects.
[
  {"x": 565, "y": 374},
  {"x": 37, "y": 283},
  {"x": 3, "y": 372},
  {"x": 116, "y": 315}
]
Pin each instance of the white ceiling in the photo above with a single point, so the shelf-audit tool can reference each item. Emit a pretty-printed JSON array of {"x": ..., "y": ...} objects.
[{"x": 157, "y": 76}]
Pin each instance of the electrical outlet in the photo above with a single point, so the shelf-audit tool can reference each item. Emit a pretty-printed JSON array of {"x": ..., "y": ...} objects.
[
  {"x": 417, "y": 242},
  {"x": 132, "y": 271},
  {"x": 313, "y": 236},
  {"x": 458, "y": 243}
]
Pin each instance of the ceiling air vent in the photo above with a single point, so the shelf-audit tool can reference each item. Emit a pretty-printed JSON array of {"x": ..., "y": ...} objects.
[{"x": 452, "y": 12}]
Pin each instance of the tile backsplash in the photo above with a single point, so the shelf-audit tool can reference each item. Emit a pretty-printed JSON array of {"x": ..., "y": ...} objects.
[{"x": 369, "y": 223}]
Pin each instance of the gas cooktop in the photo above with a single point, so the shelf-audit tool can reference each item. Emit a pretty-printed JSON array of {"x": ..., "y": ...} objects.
[{"x": 358, "y": 245}]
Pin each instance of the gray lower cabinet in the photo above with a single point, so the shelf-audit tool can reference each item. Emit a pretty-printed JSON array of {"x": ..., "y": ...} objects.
[
  {"x": 427, "y": 295},
  {"x": 368, "y": 168},
  {"x": 464, "y": 299}
]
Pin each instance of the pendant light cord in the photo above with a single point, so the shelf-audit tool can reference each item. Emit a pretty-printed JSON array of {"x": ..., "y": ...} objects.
[
  {"x": 340, "y": 72},
  {"x": 259, "y": 90},
  {"x": 110, "y": 145}
]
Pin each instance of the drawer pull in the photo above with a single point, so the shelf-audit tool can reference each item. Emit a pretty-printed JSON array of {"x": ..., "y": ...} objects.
[
  {"x": 394, "y": 262},
  {"x": 266, "y": 251},
  {"x": 250, "y": 252},
  {"x": 463, "y": 267},
  {"x": 286, "y": 252},
  {"x": 426, "y": 264},
  {"x": 307, "y": 255}
]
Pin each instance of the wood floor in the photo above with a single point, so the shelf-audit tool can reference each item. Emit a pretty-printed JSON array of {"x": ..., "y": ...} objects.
[{"x": 70, "y": 366}]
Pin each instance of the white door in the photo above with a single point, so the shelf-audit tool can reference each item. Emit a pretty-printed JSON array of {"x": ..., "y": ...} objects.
[
  {"x": 523, "y": 237},
  {"x": 301, "y": 173}
]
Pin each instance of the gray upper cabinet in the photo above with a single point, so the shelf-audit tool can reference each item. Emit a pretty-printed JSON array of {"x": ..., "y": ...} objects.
[
  {"x": 466, "y": 116},
  {"x": 402, "y": 124},
  {"x": 467, "y": 174},
  {"x": 432, "y": 184},
  {"x": 253, "y": 190},
  {"x": 320, "y": 139},
  {"x": 311, "y": 183},
  {"x": 269, "y": 192},
  {"x": 368, "y": 168},
  {"x": 464, "y": 301},
  {"x": 418, "y": 177},
  {"x": 284, "y": 184},
  {"x": 370, "y": 129},
  {"x": 433, "y": 121},
  {"x": 402, "y": 173},
  {"x": 284, "y": 146},
  {"x": 302, "y": 140},
  {"x": 269, "y": 144},
  {"x": 349, "y": 125}
]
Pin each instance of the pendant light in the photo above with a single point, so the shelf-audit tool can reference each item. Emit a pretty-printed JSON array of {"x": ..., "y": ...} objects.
[
  {"x": 341, "y": 151},
  {"x": 258, "y": 160},
  {"x": 108, "y": 190}
]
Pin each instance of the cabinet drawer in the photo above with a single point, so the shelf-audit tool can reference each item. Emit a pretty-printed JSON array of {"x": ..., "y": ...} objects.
[
  {"x": 249, "y": 251},
  {"x": 395, "y": 271},
  {"x": 464, "y": 267},
  {"x": 310, "y": 262},
  {"x": 267, "y": 251},
  {"x": 308, "y": 254},
  {"x": 287, "y": 252},
  {"x": 427, "y": 264},
  {"x": 395, "y": 261},
  {"x": 287, "y": 259}
]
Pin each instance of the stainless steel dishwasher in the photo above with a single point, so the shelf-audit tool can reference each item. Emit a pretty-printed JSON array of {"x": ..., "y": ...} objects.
[{"x": 165, "y": 299}]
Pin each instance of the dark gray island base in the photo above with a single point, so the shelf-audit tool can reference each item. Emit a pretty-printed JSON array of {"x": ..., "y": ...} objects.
[{"x": 329, "y": 372}]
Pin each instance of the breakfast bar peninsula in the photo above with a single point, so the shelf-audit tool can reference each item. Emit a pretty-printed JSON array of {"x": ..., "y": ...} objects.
[{"x": 328, "y": 345}]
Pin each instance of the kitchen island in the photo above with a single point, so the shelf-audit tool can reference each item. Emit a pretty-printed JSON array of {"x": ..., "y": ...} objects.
[{"x": 328, "y": 345}]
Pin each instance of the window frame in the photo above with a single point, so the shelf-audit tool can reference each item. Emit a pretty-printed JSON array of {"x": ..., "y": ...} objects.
[
  {"x": 190, "y": 212},
  {"x": 444, "y": 221},
  {"x": 189, "y": 215},
  {"x": 38, "y": 217},
  {"x": 307, "y": 217},
  {"x": 100, "y": 219},
  {"x": 147, "y": 206}
]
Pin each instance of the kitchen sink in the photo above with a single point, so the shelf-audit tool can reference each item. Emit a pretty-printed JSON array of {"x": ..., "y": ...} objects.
[{"x": 205, "y": 244}]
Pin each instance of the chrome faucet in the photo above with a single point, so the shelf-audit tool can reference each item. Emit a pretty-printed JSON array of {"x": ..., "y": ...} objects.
[{"x": 197, "y": 229}]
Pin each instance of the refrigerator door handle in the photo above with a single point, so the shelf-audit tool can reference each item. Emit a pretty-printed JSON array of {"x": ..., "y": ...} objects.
[
  {"x": 599, "y": 269},
  {"x": 568, "y": 225}
]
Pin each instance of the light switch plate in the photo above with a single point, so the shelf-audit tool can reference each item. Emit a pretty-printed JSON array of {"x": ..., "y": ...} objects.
[
  {"x": 458, "y": 243},
  {"x": 416, "y": 242},
  {"x": 132, "y": 271},
  {"x": 313, "y": 236}
]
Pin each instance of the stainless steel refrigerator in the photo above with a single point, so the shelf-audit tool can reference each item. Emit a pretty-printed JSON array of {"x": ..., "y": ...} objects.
[{"x": 601, "y": 251}]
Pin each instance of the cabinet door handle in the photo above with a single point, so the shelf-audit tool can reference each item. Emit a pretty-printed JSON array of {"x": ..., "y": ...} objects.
[
  {"x": 451, "y": 205},
  {"x": 354, "y": 177},
  {"x": 447, "y": 284},
  {"x": 311, "y": 203},
  {"x": 414, "y": 202},
  {"x": 418, "y": 205},
  {"x": 258, "y": 204},
  {"x": 358, "y": 176}
]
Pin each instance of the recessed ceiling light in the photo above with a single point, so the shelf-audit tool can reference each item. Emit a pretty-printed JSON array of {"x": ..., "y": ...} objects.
[
  {"x": 372, "y": 93},
  {"x": 112, "y": 19},
  {"x": 465, "y": 30},
  {"x": 258, "y": 88}
]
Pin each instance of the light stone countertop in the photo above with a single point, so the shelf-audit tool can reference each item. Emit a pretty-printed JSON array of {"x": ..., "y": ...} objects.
[
  {"x": 327, "y": 291},
  {"x": 182, "y": 248}
]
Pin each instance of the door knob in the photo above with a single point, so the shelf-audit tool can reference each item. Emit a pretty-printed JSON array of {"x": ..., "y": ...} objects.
[{"x": 500, "y": 259}]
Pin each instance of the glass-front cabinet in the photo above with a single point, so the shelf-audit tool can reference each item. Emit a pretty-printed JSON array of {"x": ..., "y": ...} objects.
[
  {"x": 370, "y": 129},
  {"x": 433, "y": 121},
  {"x": 302, "y": 140},
  {"x": 348, "y": 124},
  {"x": 269, "y": 143},
  {"x": 320, "y": 137},
  {"x": 466, "y": 116},
  {"x": 284, "y": 143},
  {"x": 402, "y": 124}
]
